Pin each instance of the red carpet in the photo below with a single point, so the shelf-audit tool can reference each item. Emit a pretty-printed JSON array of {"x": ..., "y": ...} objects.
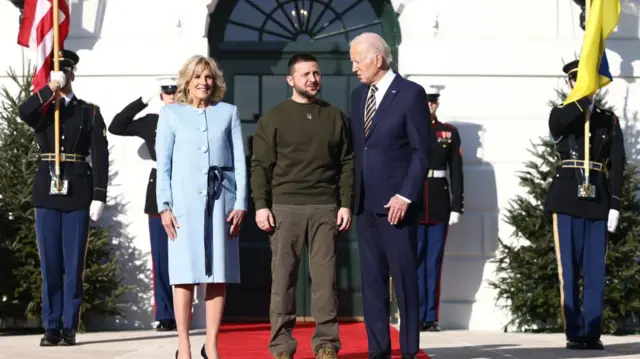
[{"x": 244, "y": 341}]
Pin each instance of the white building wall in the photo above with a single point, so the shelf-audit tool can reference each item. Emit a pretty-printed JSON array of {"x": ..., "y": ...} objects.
[
  {"x": 499, "y": 60},
  {"x": 123, "y": 47}
]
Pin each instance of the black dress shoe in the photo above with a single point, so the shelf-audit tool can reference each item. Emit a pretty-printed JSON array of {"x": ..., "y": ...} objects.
[
  {"x": 51, "y": 338},
  {"x": 176, "y": 353},
  {"x": 594, "y": 345},
  {"x": 430, "y": 327},
  {"x": 576, "y": 344},
  {"x": 424, "y": 326},
  {"x": 380, "y": 356},
  {"x": 166, "y": 325},
  {"x": 203, "y": 352},
  {"x": 408, "y": 356},
  {"x": 68, "y": 337}
]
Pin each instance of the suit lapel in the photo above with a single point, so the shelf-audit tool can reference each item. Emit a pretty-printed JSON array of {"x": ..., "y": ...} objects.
[
  {"x": 391, "y": 93},
  {"x": 363, "y": 100}
]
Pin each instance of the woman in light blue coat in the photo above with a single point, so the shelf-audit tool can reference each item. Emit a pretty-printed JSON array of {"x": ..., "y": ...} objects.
[{"x": 201, "y": 194}]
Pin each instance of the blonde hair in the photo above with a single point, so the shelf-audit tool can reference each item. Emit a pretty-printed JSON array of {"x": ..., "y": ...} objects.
[{"x": 194, "y": 66}]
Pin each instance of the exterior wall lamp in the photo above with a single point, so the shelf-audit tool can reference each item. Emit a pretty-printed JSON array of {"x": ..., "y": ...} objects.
[{"x": 582, "y": 5}]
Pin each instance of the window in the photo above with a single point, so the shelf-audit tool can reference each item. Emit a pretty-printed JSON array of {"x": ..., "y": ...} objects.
[{"x": 301, "y": 20}]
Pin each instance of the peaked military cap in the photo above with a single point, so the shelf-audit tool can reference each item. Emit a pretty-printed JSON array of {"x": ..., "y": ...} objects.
[
  {"x": 67, "y": 59},
  {"x": 433, "y": 93},
  {"x": 168, "y": 85},
  {"x": 571, "y": 69}
]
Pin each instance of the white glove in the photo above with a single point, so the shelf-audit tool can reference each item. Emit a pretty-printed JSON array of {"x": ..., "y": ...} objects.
[
  {"x": 612, "y": 223},
  {"x": 95, "y": 210},
  {"x": 59, "y": 77},
  {"x": 454, "y": 218},
  {"x": 150, "y": 94}
]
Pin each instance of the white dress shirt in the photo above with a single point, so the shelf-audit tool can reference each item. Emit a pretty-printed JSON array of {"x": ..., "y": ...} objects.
[
  {"x": 383, "y": 86},
  {"x": 67, "y": 98}
]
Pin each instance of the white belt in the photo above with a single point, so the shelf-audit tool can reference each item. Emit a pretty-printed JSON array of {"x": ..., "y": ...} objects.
[
  {"x": 437, "y": 174},
  {"x": 154, "y": 164}
]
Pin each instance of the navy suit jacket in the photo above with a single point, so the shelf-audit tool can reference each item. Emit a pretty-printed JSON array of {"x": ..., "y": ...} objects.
[{"x": 393, "y": 159}]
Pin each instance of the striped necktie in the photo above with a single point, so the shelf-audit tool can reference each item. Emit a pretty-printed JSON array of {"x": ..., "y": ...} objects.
[{"x": 369, "y": 109}]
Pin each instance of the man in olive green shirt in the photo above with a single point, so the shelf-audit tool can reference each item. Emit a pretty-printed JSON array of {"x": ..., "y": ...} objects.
[{"x": 302, "y": 184}]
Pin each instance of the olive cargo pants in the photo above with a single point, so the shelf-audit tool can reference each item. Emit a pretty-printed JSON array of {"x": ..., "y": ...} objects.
[{"x": 315, "y": 227}]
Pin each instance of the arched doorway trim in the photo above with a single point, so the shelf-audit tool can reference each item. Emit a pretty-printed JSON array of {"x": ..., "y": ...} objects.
[{"x": 287, "y": 21}]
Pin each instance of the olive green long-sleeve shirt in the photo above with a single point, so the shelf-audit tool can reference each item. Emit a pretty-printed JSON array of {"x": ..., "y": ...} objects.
[{"x": 302, "y": 154}]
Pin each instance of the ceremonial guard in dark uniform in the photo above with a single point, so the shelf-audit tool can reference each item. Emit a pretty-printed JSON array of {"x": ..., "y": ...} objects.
[
  {"x": 441, "y": 205},
  {"x": 62, "y": 212},
  {"x": 145, "y": 128},
  {"x": 585, "y": 205}
]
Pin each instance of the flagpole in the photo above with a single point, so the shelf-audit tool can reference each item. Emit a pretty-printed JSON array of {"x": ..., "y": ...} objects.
[
  {"x": 56, "y": 113},
  {"x": 587, "y": 116}
]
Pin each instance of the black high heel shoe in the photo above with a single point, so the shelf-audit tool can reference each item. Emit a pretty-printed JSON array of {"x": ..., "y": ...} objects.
[
  {"x": 203, "y": 353},
  {"x": 176, "y": 354}
]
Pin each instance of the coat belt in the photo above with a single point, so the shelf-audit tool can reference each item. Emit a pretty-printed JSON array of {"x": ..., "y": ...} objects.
[
  {"x": 215, "y": 177},
  {"x": 64, "y": 157},
  {"x": 596, "y": 166},
  {"x": 437, "y": 174}
]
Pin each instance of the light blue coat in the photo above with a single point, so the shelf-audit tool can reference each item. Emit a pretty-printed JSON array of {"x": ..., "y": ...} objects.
[{"x": 188, "y": 142}]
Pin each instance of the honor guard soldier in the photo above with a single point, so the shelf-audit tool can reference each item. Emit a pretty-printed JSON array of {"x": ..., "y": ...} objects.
[
  {"x": 62, "y": 212},
  {"x": 585, "y": 204},
  {"x": 440, "y": 206},
  {"x": 144, "y": 127}
]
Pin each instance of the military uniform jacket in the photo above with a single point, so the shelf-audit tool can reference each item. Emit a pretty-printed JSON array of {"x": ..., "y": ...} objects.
[
  {"x": 606, "y": 148},
  {"x": 439, "y": 198},
  {"x": 145, "y": 128},
  {"x": 83, "y": 133}
]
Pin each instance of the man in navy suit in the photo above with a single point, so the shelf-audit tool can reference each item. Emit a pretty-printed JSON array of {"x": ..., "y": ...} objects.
[{"x": 391, "y": 139}]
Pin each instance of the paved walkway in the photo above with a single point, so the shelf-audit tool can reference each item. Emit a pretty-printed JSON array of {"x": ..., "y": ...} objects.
[
  {"x": 489, "y": 345},
  {"x": 444, "y": 345}
]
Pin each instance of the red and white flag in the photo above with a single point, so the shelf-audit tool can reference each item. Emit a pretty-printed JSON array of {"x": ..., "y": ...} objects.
[{"x": 36, "y": 33}]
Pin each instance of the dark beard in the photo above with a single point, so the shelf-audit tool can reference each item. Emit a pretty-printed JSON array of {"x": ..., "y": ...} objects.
[{"x": 306, "y": 94}]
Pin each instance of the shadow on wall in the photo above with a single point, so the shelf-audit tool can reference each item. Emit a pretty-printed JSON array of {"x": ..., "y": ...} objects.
[
  {"x": 630, "y": 129},
  {"x": 473, "y": 241},
  {"x": 143, "y": 152},
  {"x": 81, "y": 38},
  {"x": 136, "y": 303},
  {"x": 627, "y": 31}
]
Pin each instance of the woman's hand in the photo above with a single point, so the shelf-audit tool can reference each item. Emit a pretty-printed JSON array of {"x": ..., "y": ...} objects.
[
  {"x": 170, "y": 223},
  {"x": 235, "y": 218}
]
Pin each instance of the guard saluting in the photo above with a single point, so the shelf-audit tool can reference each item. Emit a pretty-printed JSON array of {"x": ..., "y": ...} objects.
[
  {"x": 62, "y": 213},
  {"x": 585, "y": 203},
  {"x": 145, "y": 128},
  {"x": 437, "y": 212}
]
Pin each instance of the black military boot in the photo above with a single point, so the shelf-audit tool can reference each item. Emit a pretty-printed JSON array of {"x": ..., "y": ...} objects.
[
  {"x": 166, "y": 325},
  {"x": 576, "y": 344},
  {"x": 594, "y": 344},
  {"x": 430, "y": 327},
  {"x": 51, "y": 338},
  {"x": 68, "y": 337}
]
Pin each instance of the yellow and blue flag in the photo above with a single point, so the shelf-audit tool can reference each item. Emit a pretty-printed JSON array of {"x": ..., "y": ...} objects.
[{"x": 593, "y": 68}]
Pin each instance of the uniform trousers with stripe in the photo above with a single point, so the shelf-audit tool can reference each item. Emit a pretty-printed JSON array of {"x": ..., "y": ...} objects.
[
  {"x": 162, "y": 292},
  {"x": 431, "y": 242},
  {"x": 581, "y": 245},
  {"x": 62, "y": 238}
]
